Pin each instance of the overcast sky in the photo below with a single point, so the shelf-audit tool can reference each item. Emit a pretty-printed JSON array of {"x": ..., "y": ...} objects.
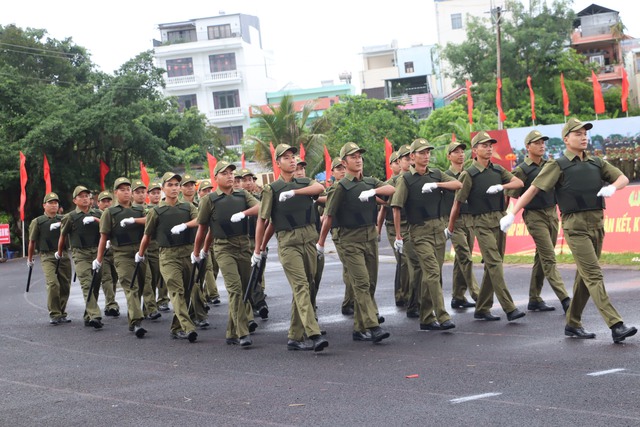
[{"x": 312, "y": 41}]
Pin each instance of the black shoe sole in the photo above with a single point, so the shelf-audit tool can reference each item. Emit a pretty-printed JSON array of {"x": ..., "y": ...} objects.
[
  {"x": 321, "y": 346},
  {"x": 384, "y": 336},
  {"x": 140, "y": 332},
  {"x": 192, "y": 336},
  {"x": 488, "y": 319},
  {"x": 580, "y": 337},
  {"x": 252, "y": 327},
  {"x": 263, "y": 313},
  {"x": 631, "y": 332},
  {"x": 516, "y": 316},
  {"x": 95, "y": 323}
]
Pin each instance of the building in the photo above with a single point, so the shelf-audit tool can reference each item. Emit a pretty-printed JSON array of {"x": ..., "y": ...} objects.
[{"x": 216, "y": 64}]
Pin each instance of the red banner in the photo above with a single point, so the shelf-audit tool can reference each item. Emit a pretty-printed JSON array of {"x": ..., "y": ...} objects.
[
  {"x": 144, "y": 176},
  {"x": 388, "y": 150},
  {"x": 47, "y": 175},
  {"x": 302, "y": 153},
  {"x": 598, "y": 100},
  {"x": 242, "y": 161},
  {"x": 501, "y": 114},
  {"x": 625, "y": 91},
  {"x": 501, "y": 149},
  {"x": 212, "y": 165},
  {"x": 23, "y": 185},
  {"x": 532, "y": 97},
  {"x": 565, "y": 96},
  {"x": 621, "y": 224},
  {"x": 104, "y": 170},
  {"x": 276, "y": 169},
  {"x": 327, "y": 167},
  {"x": 469, "y": 101}
]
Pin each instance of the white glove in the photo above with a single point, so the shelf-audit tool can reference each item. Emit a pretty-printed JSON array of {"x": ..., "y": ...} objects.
[
  {"x": 57, "y": 254},
  {"x": 127, "y": 221},
  {"x": 178, "y": 228},
  {"x": 398, "y": 245},
  {"x": 108, "y": 245},
  {"x": 95, "y": 265},
  {"x": 195, "y": 259},
  {"x": 607, "y": 191},
  {"x": 366, "y": 195},
  {"x": 203, "y": 254},
  {"x": 88, "y": 219},
  {"x": 429, "y": 187},
  {"x": 255, "y": 259},
  {"x": 447, "y": 233},
  {"x": 55, "y": 226},
  {"x": 506, "y": 221},
  {"x": 495, "y": 189},
  {"x": 320, "y": 250},
  {"x": 237, "y": 217},
  {"x": 139, "y": 258},
  {"x": 285, "y": 195},
  {"x": 30, "y": 263}
]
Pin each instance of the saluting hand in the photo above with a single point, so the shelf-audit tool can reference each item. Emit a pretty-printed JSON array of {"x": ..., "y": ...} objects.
[
  {"x": 88, "y": 219},
  {"x": 55, "y": 226},
  {"x": 285, "y": 195},
  {"x": 127, "y": 221},
  {"x": 495, "y": 189}
]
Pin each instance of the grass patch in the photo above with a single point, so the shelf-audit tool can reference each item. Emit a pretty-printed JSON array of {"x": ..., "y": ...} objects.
[{"x": 626, "y": 258}]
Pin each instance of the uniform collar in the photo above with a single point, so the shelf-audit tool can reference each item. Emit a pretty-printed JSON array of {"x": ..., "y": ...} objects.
[
  {"x": 529, "y": 162},
  {"x": 571, "y": 156},
  {"x": 414, "y": 171},
  {"x": 480, "y": 167},
  {"x": 351, "y": 177}
]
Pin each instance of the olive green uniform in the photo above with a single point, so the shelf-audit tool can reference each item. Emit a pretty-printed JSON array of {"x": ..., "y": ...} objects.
[
  {"x": 296, "y": 249},
  {"x": 462, "y": 240},
  {"x": 425, "y": 231},
  {"x": 125, "y": 242},
  {"x": 358, "y": 237},
  {"x": 175, "y": 257},
  {"x": 258, "y": 298},
  {"x": 233, "y": 250},
  {"x": 541, "y": 219},
  {"x": 109, "y": 282},
  {"x": 486, "y": 226},
  {"x": 583, "y": 227},
  {"x": 58, "y": 286},
  {"x": 152, "y": 279},
  {"x": 83, "y": 240}
]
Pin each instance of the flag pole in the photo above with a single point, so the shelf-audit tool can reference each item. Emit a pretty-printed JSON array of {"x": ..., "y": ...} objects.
[{"x": 24, "y": 250}]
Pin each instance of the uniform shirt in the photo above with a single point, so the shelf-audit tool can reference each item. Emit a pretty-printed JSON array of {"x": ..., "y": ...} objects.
[
  {"x": 519, "y": 173},
  {"x": 551, "y": 174},
  {"x": 34, "y": 230},
  {"x": 207, "y": 209},
  {"x": 350, "y": 235},
  {"x": 66, "y": 227},
  {"x": 489, "y": 219},
  {"x": 402, "y": 193},
  {"x": 152, "y": 225}
]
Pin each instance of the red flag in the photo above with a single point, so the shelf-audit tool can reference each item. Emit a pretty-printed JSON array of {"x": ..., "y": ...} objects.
[
  {"x": 469, "y": 102},
  {"x": 327, "y": 167},
  {"x": 302, "y": 152},
  {"x": 388, "y": 150},
  {"x": 532, "y": 96},
  {"x": 565, "y": 96},
  {"x": 625, "y": 90},
  {"x": 47, "y": 175},
  {"x": 453, "y": 137},
  {"x": 501, "y": 114},
  {"x": 242, "y": 162},
  {"x": 144, "y": 176},
  {"x": 598, "y": 101},
  {"x": 212, "y": 165},
  {"x": 23, "y": 185},
  {"x": 104, "y": 170},
  {"x": 276, "y": 169}
]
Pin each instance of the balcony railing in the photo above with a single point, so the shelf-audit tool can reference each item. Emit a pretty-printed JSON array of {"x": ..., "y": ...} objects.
[
  {"x": 181, "y": 80},
  {"x": 222, "y": 76},
  {"x": 226, "y": 113},
  {"x": 421, "y": 100}
]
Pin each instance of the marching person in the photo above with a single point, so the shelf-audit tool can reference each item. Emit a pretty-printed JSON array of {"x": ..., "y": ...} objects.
[
  {"x": 153, "y": 252},
  {"x": 482, "y": 188},
  {"x": 109, "y": 274},
  {"x": 541, "y": 219},
  {"x": 212, "y": 296},
  {"x": 171, "y": 224},
  {"x": 287, "y": 203},
  {"x": 577, "y": 179},
  {"x": 44, "y": 233},
  {"x": 222, "y": 218},
  {"x": 419, "y": 193},
  {"x": 353, "y": 203}
]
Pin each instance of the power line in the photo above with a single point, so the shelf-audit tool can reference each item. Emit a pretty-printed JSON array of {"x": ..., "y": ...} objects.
[
  {"x": 41, "y": 49},
  {"x": 37, "y": 54}
]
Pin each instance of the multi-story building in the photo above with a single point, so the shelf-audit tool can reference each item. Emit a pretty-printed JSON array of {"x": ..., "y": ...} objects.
[
  {"x": 216, "y": 64},
  {"x": 631, "y": 54}
]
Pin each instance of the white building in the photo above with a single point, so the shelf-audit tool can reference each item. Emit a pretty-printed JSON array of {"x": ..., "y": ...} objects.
[{"x": 216, "y": 64}]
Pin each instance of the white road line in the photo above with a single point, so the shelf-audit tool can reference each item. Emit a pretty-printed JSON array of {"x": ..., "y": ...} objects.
[
  {"x": 474, "y": 397},
  {"x": 610, "y": 371}
]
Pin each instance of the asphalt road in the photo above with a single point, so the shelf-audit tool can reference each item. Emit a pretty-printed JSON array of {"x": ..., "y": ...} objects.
[{"x": 484, "y": 373}]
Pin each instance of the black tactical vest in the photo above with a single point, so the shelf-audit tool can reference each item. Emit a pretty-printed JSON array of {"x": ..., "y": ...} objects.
[
  {"x": 542, "y": 200},
  {"x": 84, "y": 236},
  {"x": 47, "y": 238},
  {"x": 253, "y": 220},
  {"x": 479, "y": 201},
  {"x": 225, "y": 206},
  {"x": 449, "y": 196},
  {"x": 353, "y": 213},
  {"x": 422, "y": 206},
  {"x": 580, "y": 184},
  {"x": 297, "y": 211},
  {"x": 169, "y": 217},
  {"x": 132, "y": 233}
]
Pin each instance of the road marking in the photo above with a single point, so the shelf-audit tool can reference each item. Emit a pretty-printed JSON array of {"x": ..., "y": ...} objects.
[
  {"x": 474, "y": 397},
  {"x": 610, "y": 371}
]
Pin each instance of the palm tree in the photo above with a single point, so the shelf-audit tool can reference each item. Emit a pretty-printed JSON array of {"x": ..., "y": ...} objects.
[{"x": 281, "y": 124}]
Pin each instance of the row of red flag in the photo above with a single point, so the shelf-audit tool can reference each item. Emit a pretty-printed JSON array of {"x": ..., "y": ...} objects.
[{"x": 598, "y": 100}]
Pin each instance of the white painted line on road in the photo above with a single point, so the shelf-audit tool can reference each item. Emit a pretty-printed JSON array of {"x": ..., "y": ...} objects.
[
  {"x": 474, "y": 397},
  {"x": 610, "y": 371}
]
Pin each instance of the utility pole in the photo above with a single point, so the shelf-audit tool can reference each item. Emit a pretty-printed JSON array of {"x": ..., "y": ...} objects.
[{"x": 497, "y": 13}]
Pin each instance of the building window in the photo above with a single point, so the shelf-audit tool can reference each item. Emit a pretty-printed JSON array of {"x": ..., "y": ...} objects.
[
  {"x": 219, "y": 32},
  {"x": 226, "y": 99},
  {"x": 408, "y": 67},
  {"x": 456, "y": 21},
  {"x": 222, "y": 62},
  {"x": 232, "y": 135},
  {"x": 187, "y": 101},
  {"x": 181, "y": 36},
  {"x": 179, "y": 67}
]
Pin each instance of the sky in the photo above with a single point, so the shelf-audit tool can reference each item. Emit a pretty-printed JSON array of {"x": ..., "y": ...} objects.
[{"x": 311, "y": 41}]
